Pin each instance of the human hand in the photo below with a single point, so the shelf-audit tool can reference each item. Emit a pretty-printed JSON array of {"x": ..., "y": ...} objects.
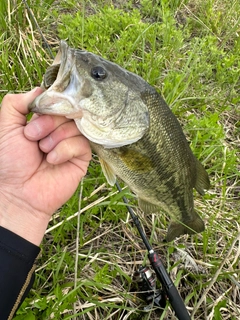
[{"x": 41, "y": 164}]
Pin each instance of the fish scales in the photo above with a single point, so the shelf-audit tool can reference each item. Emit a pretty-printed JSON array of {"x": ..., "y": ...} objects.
[{"x": 132, "y": 130}]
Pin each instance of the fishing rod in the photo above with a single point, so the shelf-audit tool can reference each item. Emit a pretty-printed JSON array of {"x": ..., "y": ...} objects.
[{"x": 161, "y": 273}]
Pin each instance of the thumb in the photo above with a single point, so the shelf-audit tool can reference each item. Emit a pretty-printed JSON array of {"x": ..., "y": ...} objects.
[{"x": 15, "y": 107}]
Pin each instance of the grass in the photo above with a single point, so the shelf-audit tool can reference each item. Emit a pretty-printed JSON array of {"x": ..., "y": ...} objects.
[{"x": 189, "y": 50}]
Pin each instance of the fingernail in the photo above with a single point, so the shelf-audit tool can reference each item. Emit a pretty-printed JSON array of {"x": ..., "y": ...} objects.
[
  {"x": 52, "y": 157},
  {"x": 34, "y": 89},
  {"x": 46, "y": 144},
  {"x": 37, "y": 89},
  {"x": 33, "y": 129}
]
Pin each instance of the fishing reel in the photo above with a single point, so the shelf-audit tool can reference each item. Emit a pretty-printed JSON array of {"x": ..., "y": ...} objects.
[{"x": 145, "y": 282}]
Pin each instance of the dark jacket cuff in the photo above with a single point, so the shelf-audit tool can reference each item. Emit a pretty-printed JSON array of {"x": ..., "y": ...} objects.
[{"x": 17, "y": 265}]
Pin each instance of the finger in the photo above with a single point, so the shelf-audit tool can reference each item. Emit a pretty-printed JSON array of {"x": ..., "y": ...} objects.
[
  {"x": 41, "y": 126},
  {"x": 64, "y": 131},
  {"x": 15, "y": 106},
  {"x": 72, "y": 148}
]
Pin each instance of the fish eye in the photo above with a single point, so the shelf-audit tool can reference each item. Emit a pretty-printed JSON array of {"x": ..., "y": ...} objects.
[{"x": 98, "y": 73}]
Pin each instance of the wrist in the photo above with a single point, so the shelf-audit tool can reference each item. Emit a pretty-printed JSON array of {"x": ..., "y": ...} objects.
[{"x": 23, "y": 221}]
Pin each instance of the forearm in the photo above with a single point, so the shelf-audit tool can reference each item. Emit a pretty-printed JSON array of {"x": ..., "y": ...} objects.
[{"x": 17, "y": 266}]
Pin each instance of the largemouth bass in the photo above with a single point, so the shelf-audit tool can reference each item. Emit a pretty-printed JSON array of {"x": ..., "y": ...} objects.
[{"x": 131, "y": 129}]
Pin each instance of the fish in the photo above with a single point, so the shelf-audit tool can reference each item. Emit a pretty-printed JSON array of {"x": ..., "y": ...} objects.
[{"x": 132, "y": 130}]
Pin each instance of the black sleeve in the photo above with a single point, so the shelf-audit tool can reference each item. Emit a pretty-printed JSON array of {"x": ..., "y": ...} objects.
[{"x": 17, "y": 265}]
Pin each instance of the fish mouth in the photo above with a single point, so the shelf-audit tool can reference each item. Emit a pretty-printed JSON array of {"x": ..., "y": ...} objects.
[
  {"x": 59, "y": 85},
  {"x": 60, "y": 68}
]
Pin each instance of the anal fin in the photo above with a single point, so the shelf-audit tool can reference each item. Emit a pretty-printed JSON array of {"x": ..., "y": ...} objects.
[{"x": 177, "y": 229}]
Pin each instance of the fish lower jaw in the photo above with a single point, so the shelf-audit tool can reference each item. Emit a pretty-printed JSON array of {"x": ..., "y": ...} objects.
[{"x": 56, "y": 103}]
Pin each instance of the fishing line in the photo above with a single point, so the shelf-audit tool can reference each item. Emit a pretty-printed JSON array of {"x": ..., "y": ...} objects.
[
  {"x": 39, "y": 29},
  {"x": 169, "y": 290}
]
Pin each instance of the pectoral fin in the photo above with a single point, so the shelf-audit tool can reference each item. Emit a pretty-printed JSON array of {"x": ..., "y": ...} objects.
[
  {"x": 108, "y": 172},
  {"x": 177, "y": 229}
]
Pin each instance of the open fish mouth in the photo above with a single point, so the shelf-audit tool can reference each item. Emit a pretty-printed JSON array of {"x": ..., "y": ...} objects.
[
  {"x": 51, "y": 75},
  {"x": 60, "y": 72},
  {"x": 60, "y": 81}
]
